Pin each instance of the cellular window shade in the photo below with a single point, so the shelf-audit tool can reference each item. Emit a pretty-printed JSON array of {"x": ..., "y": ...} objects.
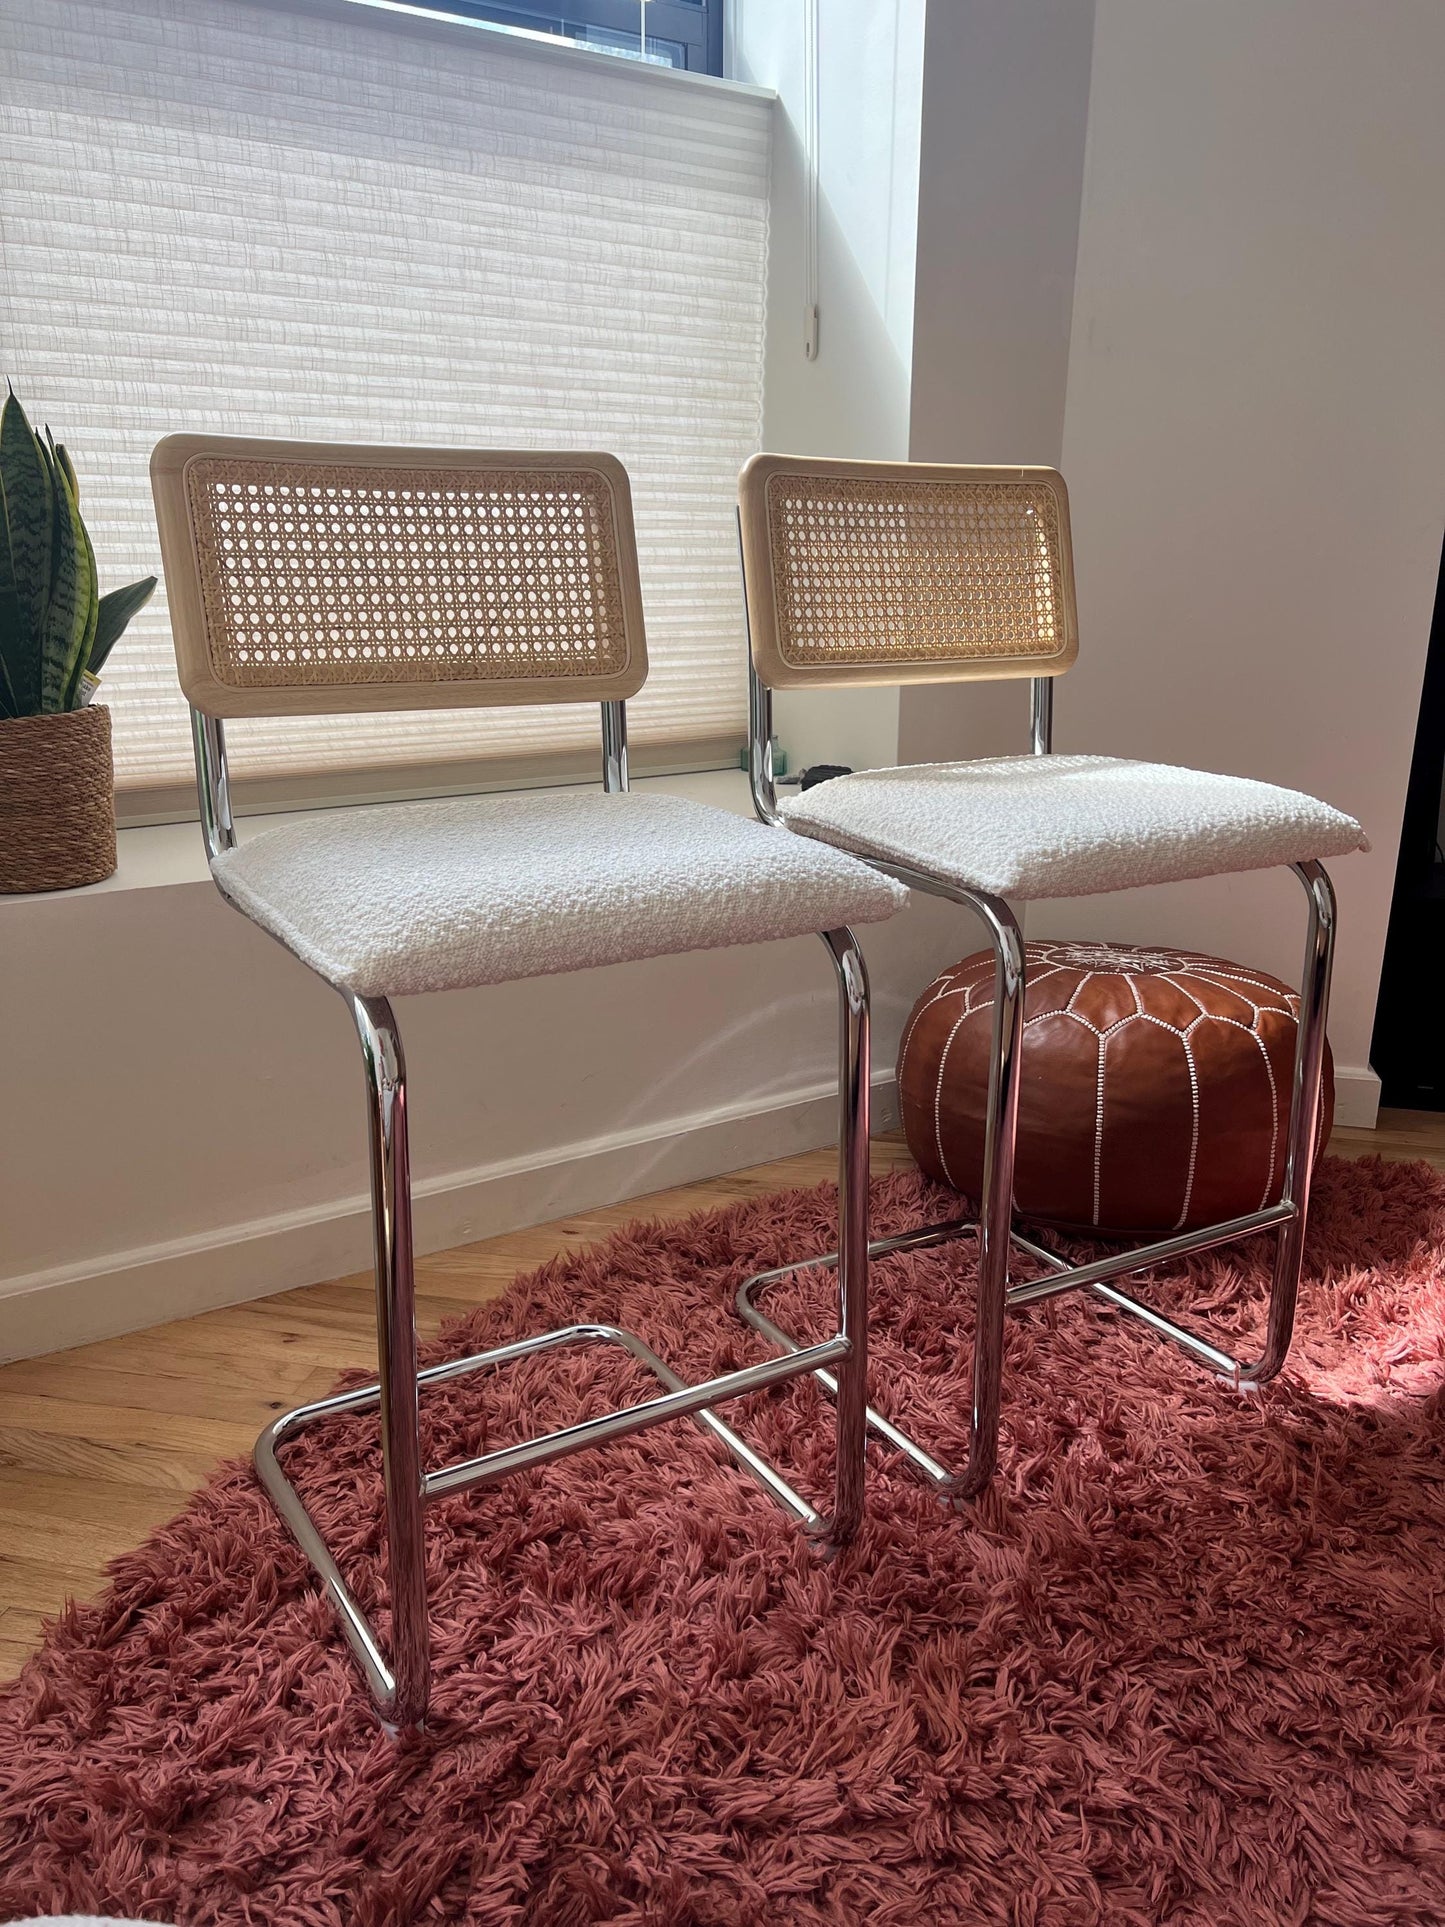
[{"x": 323, "y": 223}]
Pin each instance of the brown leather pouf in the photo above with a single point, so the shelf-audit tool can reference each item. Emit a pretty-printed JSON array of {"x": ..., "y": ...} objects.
[{"x": 1155, "y": 1093}]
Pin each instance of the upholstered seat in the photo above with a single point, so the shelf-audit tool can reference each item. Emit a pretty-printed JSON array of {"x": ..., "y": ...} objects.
[
  {"x": 484, "y": 889},
  {"x": 1063, "y": 826}
]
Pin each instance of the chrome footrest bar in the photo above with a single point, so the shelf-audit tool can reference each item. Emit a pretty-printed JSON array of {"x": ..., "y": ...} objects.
[
  {"x": 1222, "y": 1362},
  {"x": 1142, "y": 1258},
  {"x": 922, "y": 1238},
  {"x": 1064, "y": 1277},
  {"x": 919, "y": 1240},
  {"x": 900, "y": 1441},
  {"x": 679, "y": 1400}
]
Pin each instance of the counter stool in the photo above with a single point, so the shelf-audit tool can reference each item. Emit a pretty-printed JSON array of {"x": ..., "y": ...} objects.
[
  {"x": 887, "y": 573},
  {"x": 315, "y": 579}
]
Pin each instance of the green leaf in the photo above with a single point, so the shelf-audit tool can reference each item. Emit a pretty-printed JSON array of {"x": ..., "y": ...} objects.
[
  {"x": 12, "y": 628},
  {"x": 86, "y": 640},
  {"x": 87, "y": 601},
  {"x": 28, "y": 499},
  {"x": 11, "y": 650},
  {"x": 115, "y": 611},
  {"x": 67, "y": 469},
  {"x": 71, "y": 617}
]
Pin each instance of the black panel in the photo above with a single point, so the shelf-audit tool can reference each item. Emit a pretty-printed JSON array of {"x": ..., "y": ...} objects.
[{"x": 1408, "y": 1050}]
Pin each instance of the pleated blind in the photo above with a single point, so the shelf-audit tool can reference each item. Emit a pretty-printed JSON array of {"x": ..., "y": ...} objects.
[{"x": 319, "y": 223}]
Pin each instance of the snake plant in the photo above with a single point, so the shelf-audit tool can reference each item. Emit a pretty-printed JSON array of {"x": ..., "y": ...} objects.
[{"x": 56, "y": 629}]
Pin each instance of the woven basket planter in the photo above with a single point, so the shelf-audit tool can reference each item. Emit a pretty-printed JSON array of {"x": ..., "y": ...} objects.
[{"x": 57, "y": 801}]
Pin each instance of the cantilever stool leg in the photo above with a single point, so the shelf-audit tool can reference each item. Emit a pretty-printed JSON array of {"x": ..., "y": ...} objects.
[
  {"x": 974, "y": 579},
  {"x": 998, "y": 1234},
  {"x": 400, "y": 1684}
]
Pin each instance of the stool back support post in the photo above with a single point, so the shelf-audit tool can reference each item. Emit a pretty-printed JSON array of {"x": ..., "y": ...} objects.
[
  {"x": 761, "y": 780},
  {"x": 760, "y": 748},
  {"x": 614, "y": 747},
  {"x": 213, "y": 783},
  {"x": 1041, "y": 715}
]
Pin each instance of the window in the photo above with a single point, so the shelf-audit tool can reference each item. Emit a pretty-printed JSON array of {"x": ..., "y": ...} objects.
[
  {"x": 321, "y": 220},
  {"x": 679, "y": 33}
]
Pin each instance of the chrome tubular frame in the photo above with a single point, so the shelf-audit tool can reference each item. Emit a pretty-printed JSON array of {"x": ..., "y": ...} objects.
[
  {"x": 213, "y": 784},
  {"x": 218, "y": 828},
  {"x": 1041, "y": 715},
  {"x": 760, "y": 749},
  {"x": 995, "y": 1228},
  {"x": 614, "y": 747},
  {"x": 855, "y": 1093},
  {"x": 400, "y": 1681}
]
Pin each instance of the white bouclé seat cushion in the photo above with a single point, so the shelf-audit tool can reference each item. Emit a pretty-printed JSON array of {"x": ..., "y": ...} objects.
[
  {"x": 1068, "y": 826},
  {"x": 487, "y": 889}
]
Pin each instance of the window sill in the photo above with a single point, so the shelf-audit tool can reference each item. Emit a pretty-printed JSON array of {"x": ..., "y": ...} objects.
[{"x": 165, "y": 855}]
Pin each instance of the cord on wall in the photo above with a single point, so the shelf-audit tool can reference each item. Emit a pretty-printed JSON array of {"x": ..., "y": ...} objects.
[{"x": 810, "y": 179}]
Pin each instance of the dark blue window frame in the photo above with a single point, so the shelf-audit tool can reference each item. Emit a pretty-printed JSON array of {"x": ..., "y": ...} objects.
[{"x": 680, "y": 33}]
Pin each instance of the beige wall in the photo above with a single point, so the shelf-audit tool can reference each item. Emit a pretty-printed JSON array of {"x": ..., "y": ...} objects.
[
  {"x": 1232, "y": 345},
  {"x": 854, "y": 397},
  {"x": 1254, "y": 434},
  {"x": 1005, "y": 104}
]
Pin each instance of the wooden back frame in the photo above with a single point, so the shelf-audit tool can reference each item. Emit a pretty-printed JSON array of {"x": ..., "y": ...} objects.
[
  {"x": 905, "y": 572},
  {"x": 317, "y": 578}
]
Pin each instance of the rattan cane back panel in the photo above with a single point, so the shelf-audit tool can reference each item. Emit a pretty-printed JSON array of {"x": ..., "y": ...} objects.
[
  {"x": 888, "y": 572},
  {"x": 312, "y": 578}
]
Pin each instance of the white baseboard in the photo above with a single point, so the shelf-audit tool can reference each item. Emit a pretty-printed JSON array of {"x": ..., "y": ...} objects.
[
  {"x": 52, "y": 1310},
  {"x": 1357, "y": 1097}
]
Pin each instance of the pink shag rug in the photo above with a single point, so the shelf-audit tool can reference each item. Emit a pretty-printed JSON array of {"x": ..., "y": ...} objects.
[{"x": 1182, "y": 1664}]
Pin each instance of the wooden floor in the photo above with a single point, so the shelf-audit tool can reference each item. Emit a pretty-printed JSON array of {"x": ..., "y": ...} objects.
[{"x": 100, "y": 1444}]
